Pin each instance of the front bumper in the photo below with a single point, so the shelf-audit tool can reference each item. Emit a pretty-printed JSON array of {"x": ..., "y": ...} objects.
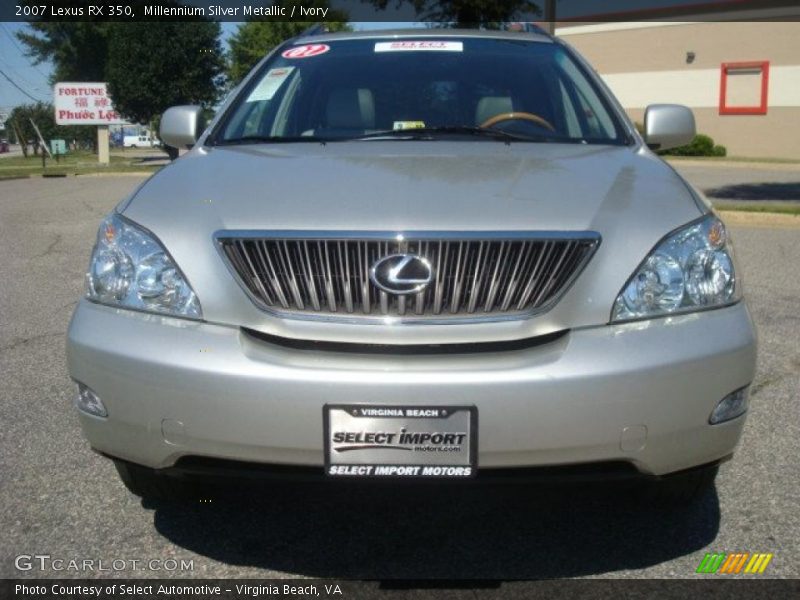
[{"x": 639, "y": 392}]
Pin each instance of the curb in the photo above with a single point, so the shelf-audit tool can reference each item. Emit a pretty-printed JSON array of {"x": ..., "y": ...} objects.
[
  {"x": 725, "y": 164},
  {"x": 760, "y": 220}
]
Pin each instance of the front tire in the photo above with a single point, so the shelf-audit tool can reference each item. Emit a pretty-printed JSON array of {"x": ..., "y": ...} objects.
[
  {"x": 149, "y": 485},
  {"x": 684, "y": 488}
]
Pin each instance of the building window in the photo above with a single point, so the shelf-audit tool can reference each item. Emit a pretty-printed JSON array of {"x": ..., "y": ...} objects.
[{"x": 744, "y": 88}]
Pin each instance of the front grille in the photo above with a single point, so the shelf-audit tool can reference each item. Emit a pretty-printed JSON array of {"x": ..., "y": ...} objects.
[{"x": 492, "y": 276}]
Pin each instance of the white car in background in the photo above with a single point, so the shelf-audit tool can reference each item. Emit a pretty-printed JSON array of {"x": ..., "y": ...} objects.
[{"x": 139, "y": 141}]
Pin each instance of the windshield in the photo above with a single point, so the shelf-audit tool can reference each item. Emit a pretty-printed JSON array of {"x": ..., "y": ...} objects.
[{"x": 480, "y": 89}]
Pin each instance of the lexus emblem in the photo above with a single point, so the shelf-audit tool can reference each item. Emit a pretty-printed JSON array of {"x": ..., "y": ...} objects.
[{"x": 401, "y": 274}]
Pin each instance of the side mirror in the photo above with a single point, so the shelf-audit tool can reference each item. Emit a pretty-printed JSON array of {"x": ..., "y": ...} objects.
[
  {"x": 181, "y": 126},
  {"x": 668, "y": 126}
]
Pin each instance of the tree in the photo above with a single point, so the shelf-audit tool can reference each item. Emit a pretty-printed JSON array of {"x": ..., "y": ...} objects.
[
  {"x": 254, "y": 39},
  {"x": 20, "y": 119},
  {"x": 78, "y": 50},
  {"x": 152, "y": 66},
  {"x": 467, "y": 12},
  {"x": 43, "y": 114}
]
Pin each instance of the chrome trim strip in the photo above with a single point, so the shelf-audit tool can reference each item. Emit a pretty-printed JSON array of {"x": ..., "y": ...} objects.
[{"x": 395, "y": 236}]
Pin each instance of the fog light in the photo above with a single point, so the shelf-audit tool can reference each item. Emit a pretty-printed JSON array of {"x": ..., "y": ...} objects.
[
  {"x": 731, "y": 406},
  {"x": 89, "y": 402}
]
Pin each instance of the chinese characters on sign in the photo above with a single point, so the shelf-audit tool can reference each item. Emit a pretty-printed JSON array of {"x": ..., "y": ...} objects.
[{"x": 84, "y": 104}]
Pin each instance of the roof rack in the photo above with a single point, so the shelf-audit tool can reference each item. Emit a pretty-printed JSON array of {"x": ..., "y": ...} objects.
[
  {"x": 315, "y": 29},
  {"x": 527, "y": 27},
  {"x": 511, "y": 26}
]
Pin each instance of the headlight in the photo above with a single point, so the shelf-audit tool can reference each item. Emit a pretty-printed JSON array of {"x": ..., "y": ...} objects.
[
  {"x": 130, "y": 269},
  {"x": 689, "y": 270}
]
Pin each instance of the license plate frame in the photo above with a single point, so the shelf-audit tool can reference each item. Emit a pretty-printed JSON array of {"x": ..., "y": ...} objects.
[{"x": 415, "y": 420}]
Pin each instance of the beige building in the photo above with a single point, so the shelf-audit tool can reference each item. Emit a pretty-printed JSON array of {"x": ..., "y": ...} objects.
[{"x": 742, "y": 79}]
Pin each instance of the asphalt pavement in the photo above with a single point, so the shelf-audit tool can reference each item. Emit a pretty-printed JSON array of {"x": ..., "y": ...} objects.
[
  {"x": 731, "y": 182},
  {"x": 59, "y": 498}
]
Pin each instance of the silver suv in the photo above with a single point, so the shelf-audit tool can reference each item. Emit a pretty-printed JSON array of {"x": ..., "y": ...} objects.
[{"x": 410, "y": 255}]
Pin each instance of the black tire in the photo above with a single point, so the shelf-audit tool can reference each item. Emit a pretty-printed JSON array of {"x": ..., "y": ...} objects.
[
  {"x": 682, "y": 488},
  {"x": 172, "y": 152},
  {"x": 149, "y": 485}
]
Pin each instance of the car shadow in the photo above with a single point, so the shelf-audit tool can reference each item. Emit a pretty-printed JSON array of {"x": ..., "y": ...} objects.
[
  {"x": 432, "y": 532},
  {"x": 151, "y": 160},
  {"x": 757, "y": 192}
]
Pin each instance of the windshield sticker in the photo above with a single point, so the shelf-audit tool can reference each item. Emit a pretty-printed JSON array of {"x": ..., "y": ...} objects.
[
  {"x": 306, "y": 51},
  {"x": 271, "y": 83},
  {"x": 399, "y": 125},
  {"x": 429, "y": 46}
]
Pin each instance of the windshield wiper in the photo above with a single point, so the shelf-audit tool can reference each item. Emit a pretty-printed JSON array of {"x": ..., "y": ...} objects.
[
  {"x": 417, "y": 133},
  {"x": 429, "y": 133},
  {"x": 267, "y": 139}
]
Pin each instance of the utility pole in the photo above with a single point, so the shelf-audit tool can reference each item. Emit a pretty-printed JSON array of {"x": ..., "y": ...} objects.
[
  {"x": 23, "y": 143},
  {"x": 550, "y": 16},
  {"x": 41, "y": 140}
]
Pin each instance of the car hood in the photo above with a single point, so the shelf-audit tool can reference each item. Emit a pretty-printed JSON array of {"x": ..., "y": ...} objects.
[
  {"x": 409, "y": 185},
  {"x": 627, "y": 195}
]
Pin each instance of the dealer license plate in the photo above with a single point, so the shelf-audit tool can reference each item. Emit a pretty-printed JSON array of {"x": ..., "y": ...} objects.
[{"x": 400, "y": 441}]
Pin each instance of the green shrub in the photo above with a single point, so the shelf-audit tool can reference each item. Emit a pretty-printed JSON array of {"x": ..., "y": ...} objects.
[
  {"x": 701, "y": 145},
  {"x": 720, "y": 151}
]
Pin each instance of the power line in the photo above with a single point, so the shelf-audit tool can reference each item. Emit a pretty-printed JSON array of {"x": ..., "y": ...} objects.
[
  {"x": 11, "y": 37},
  {"x": 14, "y": 83},
  {"x": 21, "y": 51},
  {"x": 8, "y": 66},
  {"x": 12, "y": 70}
]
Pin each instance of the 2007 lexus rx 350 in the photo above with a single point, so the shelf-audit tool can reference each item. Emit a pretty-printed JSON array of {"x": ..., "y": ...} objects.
[{"x": 410, "y": 255}]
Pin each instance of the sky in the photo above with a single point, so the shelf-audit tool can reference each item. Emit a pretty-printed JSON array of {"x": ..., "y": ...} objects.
[
  {"x": 13, "y": 62},
  {"x": 33, "y": 79}
]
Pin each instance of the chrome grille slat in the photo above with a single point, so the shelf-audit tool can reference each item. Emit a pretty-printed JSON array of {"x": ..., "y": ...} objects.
[
  {"x": 345, "y": 268},
  {"x": 308, "y": 273},
  {"x": 477, "y": 273},
  {"x": 363, "y": 274},
  {"x": 457, "y": 281},
  {"x": 513, "y": 280},
  {"x": 289, "y": 278},
  {"x": 552, "y": 274},
  {"x": 419, "y": 303},
  {"x": 237, "y": 260},
  {"x": 494, "y": 284},
  {"x": 533, "y": 279},
  {"x": 325, "y": 265},
  {"x": 438, "y": 274},
  {"x": 475, "y": 276},
  {"x": 384, "y": 299},
  {"x": 273, "y": 276}
]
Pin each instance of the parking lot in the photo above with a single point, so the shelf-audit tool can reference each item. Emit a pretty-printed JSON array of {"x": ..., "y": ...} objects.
[
  {"x": 734, "y": 182},
  {"x": 59, "y": 498}
]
